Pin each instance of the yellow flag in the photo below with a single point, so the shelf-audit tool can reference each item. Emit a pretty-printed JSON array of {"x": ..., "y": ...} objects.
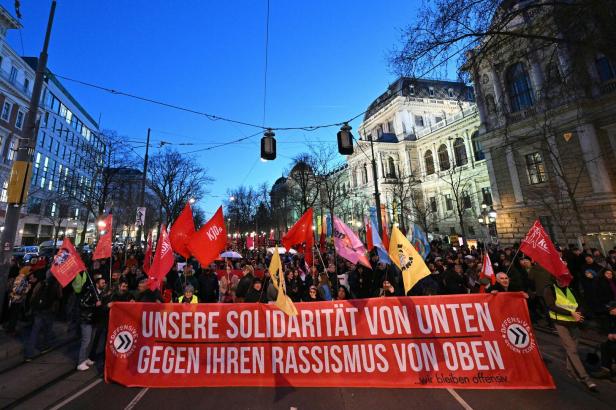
[
  {"x": 404, "y": 255},
  {"x": 283, "y": 302}
]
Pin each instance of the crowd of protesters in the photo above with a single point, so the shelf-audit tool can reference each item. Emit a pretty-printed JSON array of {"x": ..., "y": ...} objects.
[{"x": 35, "y": 296}]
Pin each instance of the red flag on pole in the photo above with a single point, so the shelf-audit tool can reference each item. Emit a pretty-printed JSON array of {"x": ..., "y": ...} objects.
[
  {"x": 301, "y": 232},
  {"x": 385, "y": 236},
  {"x": 486, "y": 269},
  {"x": 147, "y": 260},
  {"x": 67, "y": 263},
  {"x": 163, "y": 259},
  {"x": 250, "y": 241},
  {"x": 181, "y": 231},
  {"x": 209, "y": 241},
  {"x": 539, "y": 247},
  {"x": 369, "y": 242},
  {"x": 103, "y": 247}
]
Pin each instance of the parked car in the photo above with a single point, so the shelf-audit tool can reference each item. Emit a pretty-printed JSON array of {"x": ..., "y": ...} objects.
[
  {"x": 48, "y": 249},
  {"x": 85, "y": 248}
]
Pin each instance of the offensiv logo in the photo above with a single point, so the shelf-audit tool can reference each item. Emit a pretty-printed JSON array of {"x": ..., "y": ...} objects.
[
  {"x": 516, "y": 333},
  {"x": 123, "y": 341}
]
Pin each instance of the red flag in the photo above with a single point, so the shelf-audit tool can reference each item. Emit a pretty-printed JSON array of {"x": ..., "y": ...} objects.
[
  {"x": 369, "y": 242},
  {"x": 250, "y": 241},
  {"x": 147, "y": 260},
  {"x": 163, "y": 259},
  {"x": 67, "y": 263},
  {"x": 103, "y": 247},
  {"x": 385, "y": 236},
  {"x": 209, "y": 241},
  {"x": 301, "y": 232},
  {"x": 181, "y": 231},
  {"x": 271, "y": 238},
  {"x": 486, "y": 269},
  {"x": 539, "y": 247}
]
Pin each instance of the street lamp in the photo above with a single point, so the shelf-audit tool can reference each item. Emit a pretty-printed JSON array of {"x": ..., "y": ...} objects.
[
  {"x": 487, "y": 218},
  {"x": 192, "y": 201}
]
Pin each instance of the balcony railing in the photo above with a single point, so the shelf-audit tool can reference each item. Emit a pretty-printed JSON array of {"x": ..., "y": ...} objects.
[
  {"x": 446, "y": 121},
  {"x": 521, "y": 115},
  {"x": 13, "y": 81}
]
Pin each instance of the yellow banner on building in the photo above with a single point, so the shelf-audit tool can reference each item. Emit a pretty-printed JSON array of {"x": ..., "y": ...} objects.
[{"x": 19, "y": 182}]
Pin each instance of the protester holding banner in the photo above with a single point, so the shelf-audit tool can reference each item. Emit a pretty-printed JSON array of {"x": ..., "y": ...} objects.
[{"x": 93, "y": 321}]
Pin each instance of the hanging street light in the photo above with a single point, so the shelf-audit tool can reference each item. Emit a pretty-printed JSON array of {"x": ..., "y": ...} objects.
[
  {"x": 268, "y": 146},
  {"x": 345, "y": 140}
]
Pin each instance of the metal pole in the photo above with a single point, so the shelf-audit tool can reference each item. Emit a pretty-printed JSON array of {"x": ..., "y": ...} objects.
[
  {"x": 22, "y": 165},
  {"x": 143, "y": 181},
  {"x": 377, "y": 195}
]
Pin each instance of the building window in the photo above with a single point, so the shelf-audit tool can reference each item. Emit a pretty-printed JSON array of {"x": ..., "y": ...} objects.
[
  {"x": 605, "y": 69},
  {"x": 535, "y": 168},
  {"x": 433, "y": 207},
  {"x": 6, "y": 111},
  {"x": 12, "y": 150},
  {"x": 364, "y": 174},
  {"x": 518, "y": 88},
  {"x": 431, "y": 91},
  {"x": 391, "y": 168},
  {"x": 466, "y": 200},
  {"x": 486, "y": 194},
  {"x": 459, "y": 151},
  {"x": 450, "y": 93},
  {"x": 438, "y": 119},
  {"x": 19, "y": 121},
  {"x": 390, "y": 127},
  {"x": 4, "y": 195},
  {"x": 26, "y": 84},
  {"x": 477, "y": 148},
  {"x": 13, "y": 75},
  {"x": 443, "y": 157},
  {"x": 412, "y": 89},
  {"x": 448, "y": 202},
  {"x": 429, "y": 160},
  {"x": 419, "y": 121}
]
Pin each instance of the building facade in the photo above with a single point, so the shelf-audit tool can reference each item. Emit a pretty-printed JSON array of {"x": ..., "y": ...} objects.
[
  {"x": 69, "y": 150},
  {"x": 548, "y": 115},
  {"x": 428, "y": 157}
]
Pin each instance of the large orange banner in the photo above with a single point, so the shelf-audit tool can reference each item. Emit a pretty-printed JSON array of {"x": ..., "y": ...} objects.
[{"x": 479, "y": 341}]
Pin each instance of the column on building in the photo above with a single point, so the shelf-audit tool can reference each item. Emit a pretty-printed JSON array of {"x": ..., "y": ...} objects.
[
  {"x": 492, "y": 175},
  {"x": 593, "y": 158},
  {"x": 555, "y": 158},
  {"x": 513, "y": 172},
  {"x": 499, "y": 95}
]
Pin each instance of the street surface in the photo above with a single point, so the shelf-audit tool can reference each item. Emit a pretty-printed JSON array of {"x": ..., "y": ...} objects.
[{"x": 50, "y": 381}]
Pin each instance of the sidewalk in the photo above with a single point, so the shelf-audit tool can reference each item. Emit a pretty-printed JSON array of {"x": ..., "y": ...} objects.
[{"x": 12, "y": 347}]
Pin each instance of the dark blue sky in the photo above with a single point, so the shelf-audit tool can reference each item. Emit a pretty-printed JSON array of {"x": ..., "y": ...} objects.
[{"x": 327, "y": 62}]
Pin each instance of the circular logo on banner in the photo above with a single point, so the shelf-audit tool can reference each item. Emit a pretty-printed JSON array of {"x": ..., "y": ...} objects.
[
  {"x": 516, "y": 333},
  {"x": 123, "y": 341}
]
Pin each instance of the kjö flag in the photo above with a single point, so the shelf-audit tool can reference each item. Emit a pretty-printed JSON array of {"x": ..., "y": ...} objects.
[
  {"x": 103, "y": 247},
  {"x": 299, "y": 233},
  {"x": 420, "y": 241},
  {"x": 163, "y": 259},
  {"x": 486, "y": 269},
  {"x": 348, "y": 245},
  {"x": 283, "y": 301},
  {"x": 539, "y": 247},
  {"x": 147, "y": 258},
  {"x": 209, "y": 241},
  {"x": 407, "y": 259},
  {"x": 181, "y": 231},
  {"x": 376, "y": 239},
  {"x": 67, "y": 263}
]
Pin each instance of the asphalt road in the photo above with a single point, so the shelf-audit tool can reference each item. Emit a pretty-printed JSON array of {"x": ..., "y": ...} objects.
[{"x": 86, "y": 390}]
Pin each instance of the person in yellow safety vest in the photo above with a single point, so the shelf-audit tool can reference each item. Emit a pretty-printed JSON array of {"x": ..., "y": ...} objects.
[
  {"x": 566, "y": 316},
  {"x": 188, "y": 296}
]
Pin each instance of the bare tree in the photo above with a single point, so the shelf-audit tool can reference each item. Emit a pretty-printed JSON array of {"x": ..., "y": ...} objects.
[
  {"x": 303, "y": 184},
  {"x": 330, "y": 176},
  {"x": 241, "y": 208},
  {"x": 175, "y": 178},
  {"x": 403, "y": 189}
]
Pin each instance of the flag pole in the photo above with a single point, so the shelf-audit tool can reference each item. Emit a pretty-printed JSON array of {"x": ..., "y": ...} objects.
[
  {"x": 93, "y": 286},
  {"x": 512, "y": 261},
  {"x": 320, "y": 257}
]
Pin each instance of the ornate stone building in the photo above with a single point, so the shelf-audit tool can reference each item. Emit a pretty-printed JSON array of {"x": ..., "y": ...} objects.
[{"x": 548, "y": 130}]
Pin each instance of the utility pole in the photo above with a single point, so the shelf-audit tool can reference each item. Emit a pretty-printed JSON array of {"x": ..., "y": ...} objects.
[
  {"x": 377, "y": 195},
  {"x": 143, "y": 181},
  {"x": 21, "y": 171}
]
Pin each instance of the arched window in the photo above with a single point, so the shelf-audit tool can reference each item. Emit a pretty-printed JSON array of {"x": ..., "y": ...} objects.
[
  {"x": 391, "y": 168},
  {"x": 429, "y": 160},
  {"x": 364, "y": 174},
  {"x": 443, "y": 157},
  {"x": 459, "y": 151},
  {"x": 477, "y": 148},
  {"x": 518, "y": 87}
]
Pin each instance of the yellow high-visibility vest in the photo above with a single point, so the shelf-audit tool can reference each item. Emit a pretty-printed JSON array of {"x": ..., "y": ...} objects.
[
  {"x": 193, "y": 300},
  {"x": 566, "y": 302}
]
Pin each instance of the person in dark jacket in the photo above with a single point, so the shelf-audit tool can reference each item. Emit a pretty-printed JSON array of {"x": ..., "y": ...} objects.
[
  {"x": 245, "y": 283},
  {"x": 608, "y": 348},
  {"x": 208, "y": 285},
  {"x": 146, "y": 295},
  {"x": 360, "y": 281},
  {"x": 256, "y": 293},
  {"x": 312, "y": 295},
  {"x": 455, "y": 282},
  {"x": 44, "y": 303},
  {"x": 92, "y": 304},
  {"x": 122, "y": 294}
]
